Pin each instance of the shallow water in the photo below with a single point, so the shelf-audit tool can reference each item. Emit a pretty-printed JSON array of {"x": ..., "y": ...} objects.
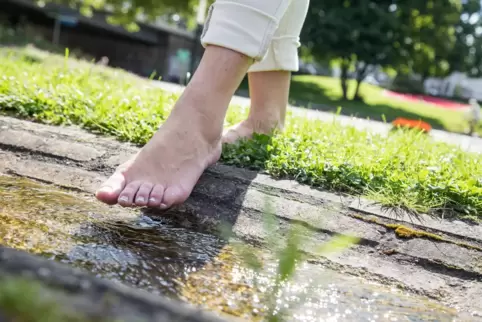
[{"x": 154, "y": 255}]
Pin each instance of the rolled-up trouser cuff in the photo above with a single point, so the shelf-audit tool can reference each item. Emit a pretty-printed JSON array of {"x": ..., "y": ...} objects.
[
  {"x": 239, "y": 27},
  {"x": 282, "y": 55}
]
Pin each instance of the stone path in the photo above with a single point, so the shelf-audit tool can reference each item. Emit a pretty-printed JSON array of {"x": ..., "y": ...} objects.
[
  {"x": 472, "y": 144},
  {"x": 438, "y": 259}
]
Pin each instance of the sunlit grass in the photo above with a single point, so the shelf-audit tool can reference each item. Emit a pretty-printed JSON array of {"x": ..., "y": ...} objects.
[
  {"x": 375, "y": 105},
  {"x": 405, "y": 169}
]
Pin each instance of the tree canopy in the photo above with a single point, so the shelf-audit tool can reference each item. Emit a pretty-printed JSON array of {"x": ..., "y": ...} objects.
[
  {"x": 128, "y": 12},
  {"x": 407, "y": 35},
  {"x": 433, "y": 37},
  {"x": 430, "y": 38},
  {"x": 358, "y": 33},
  {"x": 466, "y": 55}
]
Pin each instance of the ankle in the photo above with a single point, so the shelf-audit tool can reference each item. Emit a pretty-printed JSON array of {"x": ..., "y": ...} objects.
[
  {"x": 263, "y": 126},
  {"x": 267, "y": 120},
  {"x": 197, "y": 116}
]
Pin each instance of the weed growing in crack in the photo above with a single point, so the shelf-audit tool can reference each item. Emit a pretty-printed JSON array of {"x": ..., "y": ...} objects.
[{"x": 287, "y": 249}]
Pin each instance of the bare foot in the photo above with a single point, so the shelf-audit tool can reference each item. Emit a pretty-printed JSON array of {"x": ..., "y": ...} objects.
[
  {"x": 269, "y": 98},
  {"x": 165, "y": 171}
]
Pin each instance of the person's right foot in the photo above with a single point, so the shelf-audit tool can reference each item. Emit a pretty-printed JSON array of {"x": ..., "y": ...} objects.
[{"x": 165, "y": 171}]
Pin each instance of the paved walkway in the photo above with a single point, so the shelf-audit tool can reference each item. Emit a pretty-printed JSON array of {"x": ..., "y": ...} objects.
[
  {"x": 467, "y": 143},
  {"x": 439, "y": 259}
]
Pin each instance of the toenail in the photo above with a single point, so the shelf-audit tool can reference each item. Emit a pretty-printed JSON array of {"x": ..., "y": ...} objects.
[
  {"x": 105, "y": 189},
  {"x": 140, "y": 199},
  {"x": 163, "y": 206},
  {"x": 153, "y": 200},
  {"x": 124, "y": 198}
]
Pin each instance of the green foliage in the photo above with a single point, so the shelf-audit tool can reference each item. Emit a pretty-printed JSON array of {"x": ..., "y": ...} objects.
[
  {"x": 288, "y": 250},
  {"x": 346, "y": 28},
  {"x": 22, "y": 300},
  {"x": 351, "y": 31},
  {"x": 431, "y": 28},
  {"x": 127, "y": 13},
  {"x": 466, "y": 56},
  {"x": 404, "y": 169},
  {"x": 325, "y": 94},
  {"x": 408, "y": 35}
]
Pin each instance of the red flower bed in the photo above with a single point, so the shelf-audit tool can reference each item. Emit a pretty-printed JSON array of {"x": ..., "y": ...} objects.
[
  {"x": 401, "y": 122},
  {"x": 438, "y": 102}
]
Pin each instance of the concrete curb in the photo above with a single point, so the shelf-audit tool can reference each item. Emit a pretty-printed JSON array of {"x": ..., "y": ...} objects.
[
  {"x": 75, "y": 291},
  {"x": 436, "y": 258}
]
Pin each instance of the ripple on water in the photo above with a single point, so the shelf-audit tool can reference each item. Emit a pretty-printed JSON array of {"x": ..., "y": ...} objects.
[{"x": 151, "y": 254}]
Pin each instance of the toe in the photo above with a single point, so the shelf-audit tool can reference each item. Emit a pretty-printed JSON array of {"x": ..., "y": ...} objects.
[
  {"x": 126, "y": 197},
  {"x": 156, "y": 195},
  {"x": 173, "y": 196},
  {"x": 143, "y": 193},
  {"x": 110, "y": 190}
]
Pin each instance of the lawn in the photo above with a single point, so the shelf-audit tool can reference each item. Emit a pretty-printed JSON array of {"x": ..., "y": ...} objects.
[
  {"x": 324, "y": 93},
  {"x": 405, "y": 169}
]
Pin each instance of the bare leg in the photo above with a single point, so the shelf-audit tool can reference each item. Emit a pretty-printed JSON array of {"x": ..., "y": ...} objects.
[
  {"x": 269, "y": 79},
  {"x": 269, "y": 93},
  {"x": 165, "y": 171}
]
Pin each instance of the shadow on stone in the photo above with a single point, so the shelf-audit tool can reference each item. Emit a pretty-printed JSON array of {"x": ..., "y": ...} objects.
[
  {"x": 212, "y": 210},
  {"x": 71, "y": 292}
]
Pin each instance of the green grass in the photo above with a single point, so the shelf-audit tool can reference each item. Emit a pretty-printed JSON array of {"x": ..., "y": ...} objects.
[
  {"x": 22, "y": 300},
  {"x": 405, "y": 169},
  {"x": 324, "y": 93}
]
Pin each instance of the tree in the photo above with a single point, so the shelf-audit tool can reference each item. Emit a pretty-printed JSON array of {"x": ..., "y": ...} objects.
[
  {"x": 432, "y": 33},
  {"x": 364, "y": 34},
  {"x": 128, "y": 12},
  {"x": 357, "y": 33},
  {"x": 466, "y": 55}
]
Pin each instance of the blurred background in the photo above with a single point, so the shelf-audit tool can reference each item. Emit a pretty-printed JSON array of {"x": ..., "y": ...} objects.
[{"x": 375, "y": 59}]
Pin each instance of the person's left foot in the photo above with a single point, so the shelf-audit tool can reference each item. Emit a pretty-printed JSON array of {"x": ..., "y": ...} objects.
[{"x": 248, "y": 127}]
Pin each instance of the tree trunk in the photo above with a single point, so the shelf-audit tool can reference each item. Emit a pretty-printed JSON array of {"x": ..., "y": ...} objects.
[
  {"x": 361, "y": 74},
  {"x": 356, "y": 95},
  {"x": 344, "y": 78},
  {"x": 344, "y": 87},
  {"x": 423, "y": 79}
]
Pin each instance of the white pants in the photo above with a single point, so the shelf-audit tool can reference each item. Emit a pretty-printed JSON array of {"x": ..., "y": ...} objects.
[{"x": 266, "y": 30}]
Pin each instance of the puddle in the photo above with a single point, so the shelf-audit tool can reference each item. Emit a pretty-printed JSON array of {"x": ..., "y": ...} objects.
[{"x": 154, "y": 255}]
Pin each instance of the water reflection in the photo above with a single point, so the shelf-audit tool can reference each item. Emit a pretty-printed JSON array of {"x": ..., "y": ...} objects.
[{"x": 154, "y": 255}]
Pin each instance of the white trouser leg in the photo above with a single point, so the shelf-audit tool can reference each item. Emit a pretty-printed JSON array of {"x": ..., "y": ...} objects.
[
  {"x": 265, "y": 30},
  {"x": 282, "y": 52}
]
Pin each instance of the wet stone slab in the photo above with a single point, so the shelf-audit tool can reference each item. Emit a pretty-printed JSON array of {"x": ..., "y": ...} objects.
[
  {"x": 48, "y": 145},
  {"x": 77, "y": 294},
  {"x": 170, "y": 261},
  {"x": 179, "y": 255},
  {"x": 453, "y": 227}
]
